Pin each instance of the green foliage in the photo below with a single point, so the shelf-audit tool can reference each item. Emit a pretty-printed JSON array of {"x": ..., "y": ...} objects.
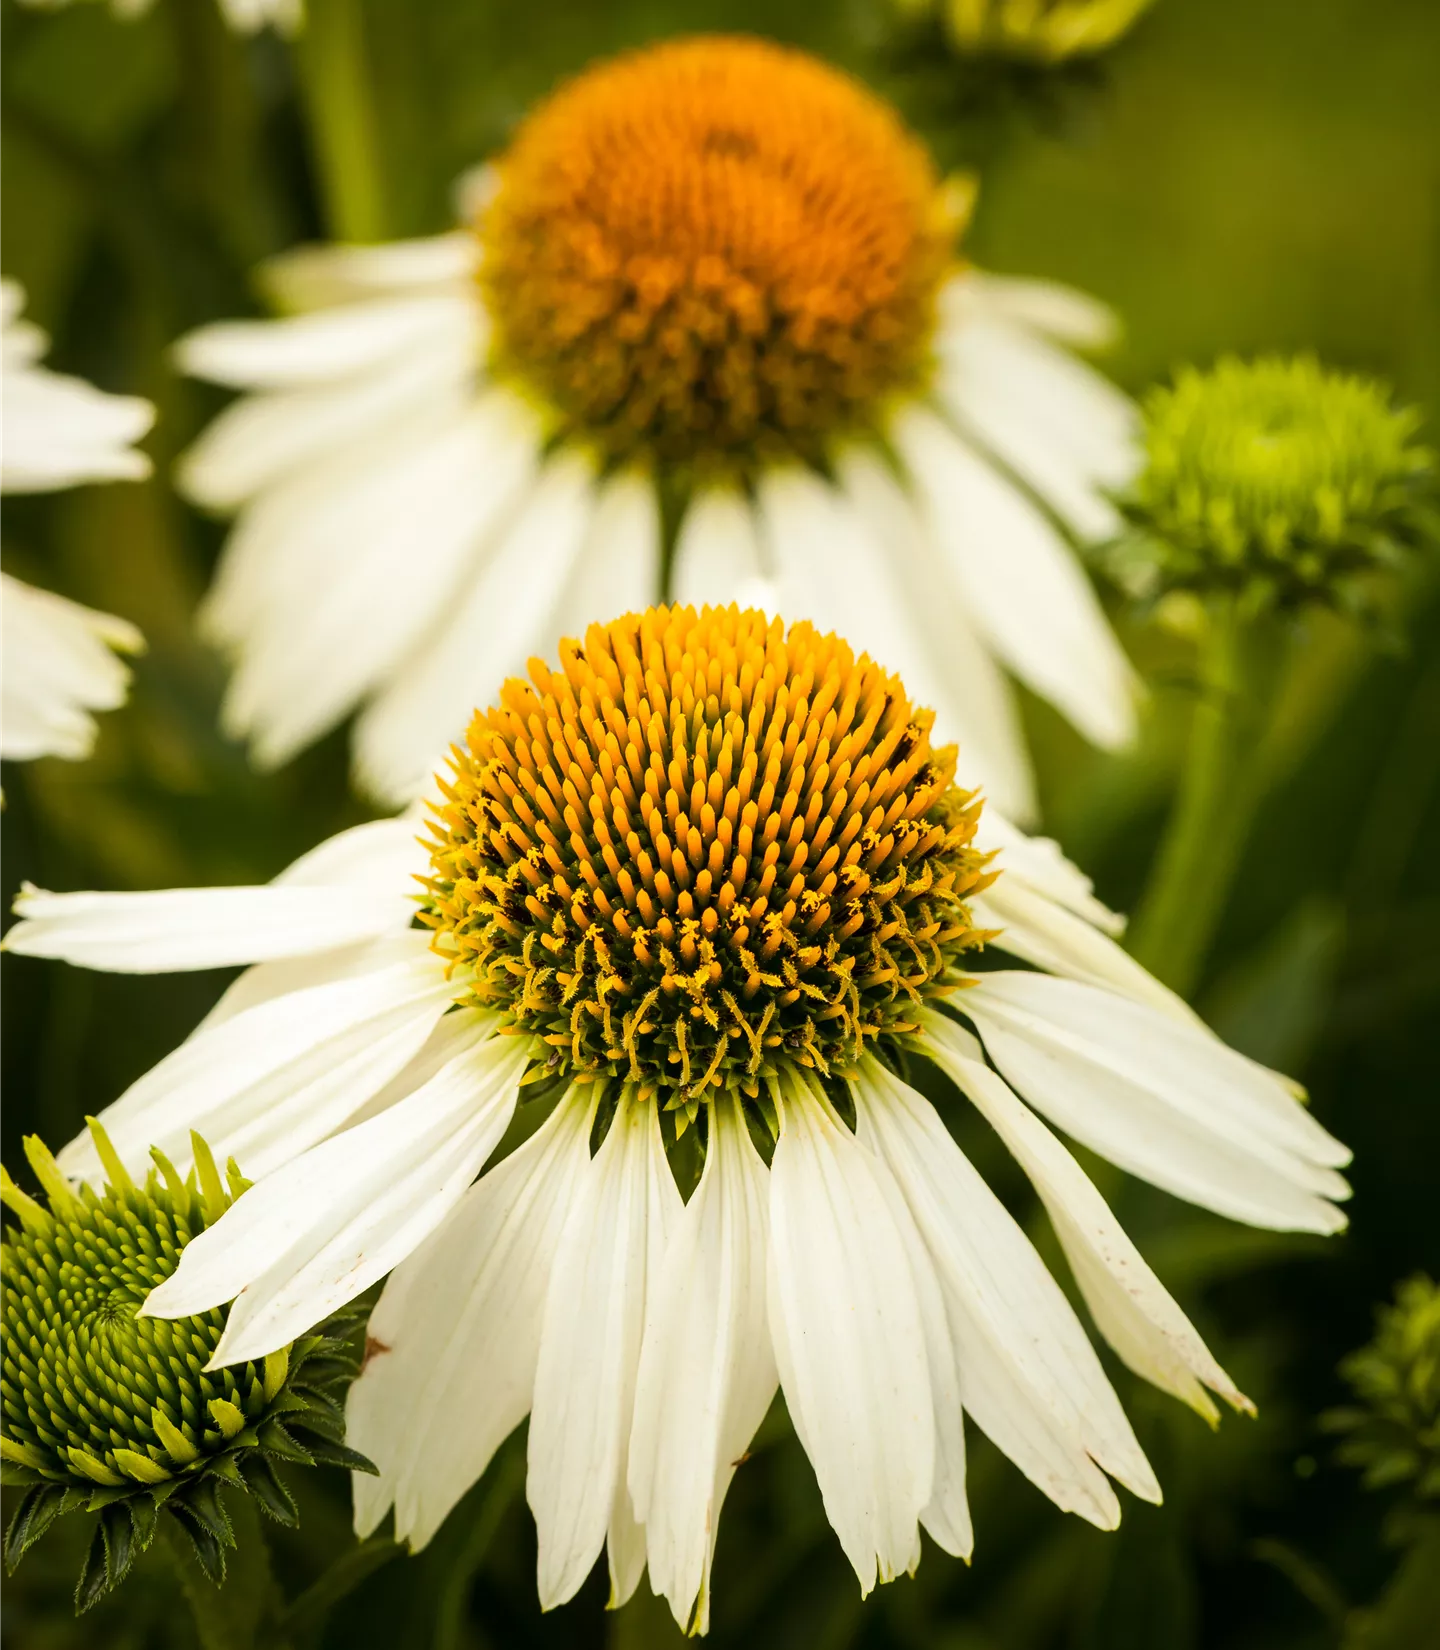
[
  {"x": 117, "y": 1414},
  {"x": 1392, "y": 1433}
]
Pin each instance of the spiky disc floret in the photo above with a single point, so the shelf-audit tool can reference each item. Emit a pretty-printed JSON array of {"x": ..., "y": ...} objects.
[
  {"x": 111, "y": 1412},
  {"x": 703, "y": 850},
  {"x": 1276, "y": 479}
]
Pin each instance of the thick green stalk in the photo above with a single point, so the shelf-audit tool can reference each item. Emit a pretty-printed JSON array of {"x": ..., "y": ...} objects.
[
  {"x": 344, "y": 130},
  {"x": 239, "y": 1614},
  {"x": 1221, "y": 785}
]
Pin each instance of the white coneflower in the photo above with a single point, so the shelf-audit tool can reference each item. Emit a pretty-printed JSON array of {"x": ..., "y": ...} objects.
[
  {"x": 706, "y": 874},
  {"x": 58, "y": 666},
  {"x": 716, "y": 271}
]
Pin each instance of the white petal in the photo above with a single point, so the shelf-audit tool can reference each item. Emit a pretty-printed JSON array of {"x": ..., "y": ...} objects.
[
  {"x": 328, "y": 344},
  {"x": 1040, "y": 863},
  {"x": 1029, "y": 1377},
  {"x": 261, "y": 441},
  {"x": 1021, "y": 581},
  {"x": 718, "y": 551},
  {"x": 265, "y": 1084},
  {"x": 1165, "y": 1100},
  {"x": 371, "y": 574},
  {"x": 707, "y": 1371},
  {"x": 311, "y": 277},
  {"x": 455, "y": 1335},
  {"x": 381, "y": 854},
  {"x": 624, "y": 1207},
  {"x": 832, "y": 569},
  {"x": 497, "y": 623},
  {"x": 1053, "y": 938},
  {"x": 974, "y": 703},
  {"x": 1068, "y": 316},
  {"x": 1067, "y": 432},
  {"x": 618, "y": 568},
  {"x": 61, "y": 431},
  {"x": 56, "y": 666},
  {"x": 849, "y": 1338},
  {"x": 1130, "y": 1305},
  {"x": 186, "y": 928},
  {"x": 317, "y": 1232}
]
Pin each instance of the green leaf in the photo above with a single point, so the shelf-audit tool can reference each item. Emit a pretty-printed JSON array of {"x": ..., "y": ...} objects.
[
  {"x": 93, "y": 1583},
  {"x": 269, "y": 1491},
  {"x": 118, "y": 1533},
  {"x": 208, "y": 1552},
  {"x": 36, "y": 1512}
]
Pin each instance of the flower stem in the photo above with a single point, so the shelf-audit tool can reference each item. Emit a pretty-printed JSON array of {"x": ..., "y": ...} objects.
[
  {"x": 230, "y": 1617},
  {"x": 335, "y": 80},
  {"x": 1221, "y": 786}
]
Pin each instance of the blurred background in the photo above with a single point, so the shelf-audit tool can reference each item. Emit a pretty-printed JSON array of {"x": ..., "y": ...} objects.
[{"x": 1229, "y": 177}]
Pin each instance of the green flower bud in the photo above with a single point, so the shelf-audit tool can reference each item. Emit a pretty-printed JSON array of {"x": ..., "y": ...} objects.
[
  {"x": 1280, "y": 482},
  {"x": 1036, "y": 31},
  {"x": 1392, "y": 1433},
  {"x": 111, "y": 1412}
]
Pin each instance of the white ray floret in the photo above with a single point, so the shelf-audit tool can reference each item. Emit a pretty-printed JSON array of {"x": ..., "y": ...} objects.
[{"x": 58, "y": 660}]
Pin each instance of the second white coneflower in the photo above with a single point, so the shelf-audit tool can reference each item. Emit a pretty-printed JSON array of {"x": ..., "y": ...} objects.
[
  {"x": 717, "y": 271},
  {"x": 708, "y": 876}
]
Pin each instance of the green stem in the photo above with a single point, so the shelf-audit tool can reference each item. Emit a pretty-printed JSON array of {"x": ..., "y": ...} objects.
[
  {"x": 1220, "y": 790},
  {"x": 307, "y": 1615},
  {"x": 233, "y": 1615},
  {"x": 335, "y": 80}
]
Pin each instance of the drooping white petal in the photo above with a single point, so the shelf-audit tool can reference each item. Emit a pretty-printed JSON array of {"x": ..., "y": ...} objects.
[
  {"x": 310, "y": 277},
  {"x": 618, "y": 568},
  {"x": 1079, "y": 408},
  {"x": 849, "y": 1338},
  {"x": 325, "y": 1226},
  {"x": 717, "y": 554},
  {"x": 974, "y": 703},
  {"x": 328, "y": 344},
  {"x": 1132, "y": 1308},
  {"x": 261, "y": 441},
  {"x": 61, "y": 432},
  {"x": 265, "y": 1084},
  {"x": 1052, "y": 937},
  {"x": 1020, "y": 580},
  {"x": 707, "y": 1371},
  {"x": 455, "y": 1336},
  {"x": 498, "y": 622},
  {"x": 833, "y": 569},
  {"x": 1029, "y": 1376},
  {"x": 1040, "y": 863},
  {"x": 1068, "y": 316},
  {"x": 625, "y": 1207},
  {"x": 370, "y": 572},
  {"x": 56, "y": 667},
  {"x": 1166, "y": 1100},
  {"x": 1063, "y": 429}
]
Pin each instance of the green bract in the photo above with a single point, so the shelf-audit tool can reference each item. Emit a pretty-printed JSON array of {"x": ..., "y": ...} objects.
[
  {"x": 115, "y": 1413},
  {"x": 1278, "y": 480},
  {"x": 1393, "y": 1434}
]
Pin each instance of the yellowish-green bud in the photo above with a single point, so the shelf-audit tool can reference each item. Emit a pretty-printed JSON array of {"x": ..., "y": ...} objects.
[
  {"x": 108, "y": 1411},
  {"x": 1280, "y": 482}
]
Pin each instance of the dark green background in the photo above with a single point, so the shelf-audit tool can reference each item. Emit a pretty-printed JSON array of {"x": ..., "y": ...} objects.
[{"x": 1241, "y": 176}]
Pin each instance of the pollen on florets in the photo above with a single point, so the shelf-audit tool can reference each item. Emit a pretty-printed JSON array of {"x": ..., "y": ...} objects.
[
  {"x": 702, "y": 850},
  {"x": 714, "y": 252},
  {"x": 1276, "y": 479}
]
